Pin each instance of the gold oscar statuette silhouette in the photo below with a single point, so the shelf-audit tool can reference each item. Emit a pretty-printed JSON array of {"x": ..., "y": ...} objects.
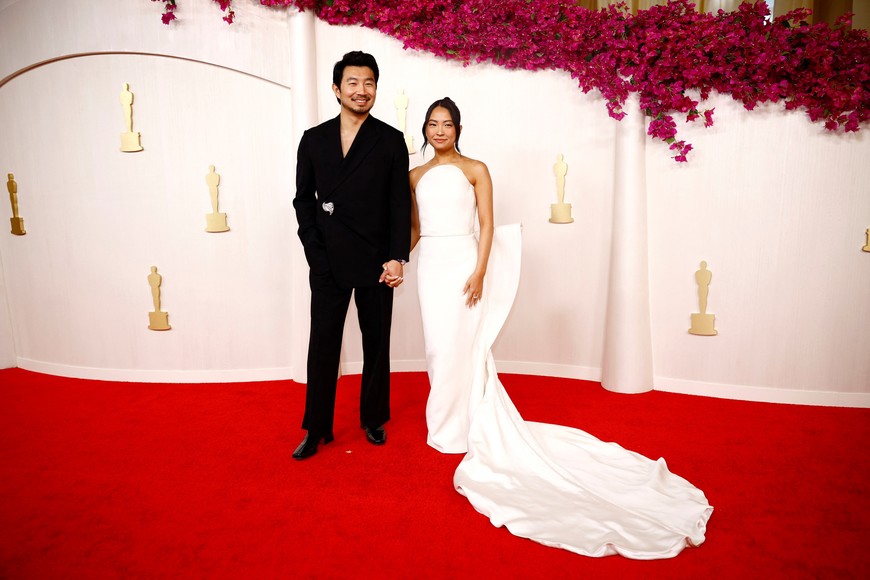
[
  {"x": 866, "y": 247},
  {"x": 703, "y": 323},
  {"x": 17, "y": 222},
  {"x": 560, "y": 213},
  {"x": 157, "y": 320},
  {"x": 129, "y": 140},
  {"x": 401, "y": 104},
  {"x": 214, "y": 222}
]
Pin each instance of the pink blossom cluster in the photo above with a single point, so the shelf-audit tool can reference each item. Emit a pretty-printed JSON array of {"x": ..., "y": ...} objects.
[
  {"x": 672, "y": 56},
  {"x": 169, "y": 7}
]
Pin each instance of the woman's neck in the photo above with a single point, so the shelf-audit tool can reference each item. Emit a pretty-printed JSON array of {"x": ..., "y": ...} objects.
[{"x": 447, "y": 157}]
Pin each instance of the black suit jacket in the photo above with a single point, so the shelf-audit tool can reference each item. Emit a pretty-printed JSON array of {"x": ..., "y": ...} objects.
[{"x": 354, "y": 212}]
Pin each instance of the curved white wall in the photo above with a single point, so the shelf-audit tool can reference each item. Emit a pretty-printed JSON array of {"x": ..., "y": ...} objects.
[
  {"x": 35, "y": 31},
  {"x": 775, "y": 205},
  {"x": 98, "y": 219}
]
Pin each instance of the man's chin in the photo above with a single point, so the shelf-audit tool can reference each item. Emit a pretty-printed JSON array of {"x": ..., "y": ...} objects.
[{"x": 360, "y": 110}]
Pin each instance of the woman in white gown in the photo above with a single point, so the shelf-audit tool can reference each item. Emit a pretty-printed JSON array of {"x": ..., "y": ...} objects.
[{"x": 555, "y": 485}]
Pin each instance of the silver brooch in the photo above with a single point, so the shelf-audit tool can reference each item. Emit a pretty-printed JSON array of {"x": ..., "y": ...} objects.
[{"x": 328, "y": 207}]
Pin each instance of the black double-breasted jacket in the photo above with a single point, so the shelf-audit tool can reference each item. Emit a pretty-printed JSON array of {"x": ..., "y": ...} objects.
[{"x": 353, "y": 211}]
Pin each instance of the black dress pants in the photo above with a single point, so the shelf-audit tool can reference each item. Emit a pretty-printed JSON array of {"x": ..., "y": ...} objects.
[{"x": 329, "y": 304}]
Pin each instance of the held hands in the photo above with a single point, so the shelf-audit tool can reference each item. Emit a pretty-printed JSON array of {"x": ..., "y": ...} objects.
[
  {"x": 473, "y": 290},
  {"x": 393, "y": 274}
]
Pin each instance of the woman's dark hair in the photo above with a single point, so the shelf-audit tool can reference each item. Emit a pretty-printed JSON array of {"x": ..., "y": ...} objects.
[
  {"x": 354, "y": 58},
  {"x": 455, "y": 116}
]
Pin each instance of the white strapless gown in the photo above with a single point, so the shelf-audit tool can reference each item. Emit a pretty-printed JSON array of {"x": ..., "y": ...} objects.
[{"x": 552, "y": 484}]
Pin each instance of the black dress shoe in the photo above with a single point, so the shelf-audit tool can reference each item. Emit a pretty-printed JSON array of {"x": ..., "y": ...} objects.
[
  {"x": 308, "y": 447},
  {"x": 376, "y": 436}
]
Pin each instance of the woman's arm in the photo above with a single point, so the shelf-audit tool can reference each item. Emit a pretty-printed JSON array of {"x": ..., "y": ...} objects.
[
  {"x": 415, "y": 220},
  {"x": 483, "y": 193}
]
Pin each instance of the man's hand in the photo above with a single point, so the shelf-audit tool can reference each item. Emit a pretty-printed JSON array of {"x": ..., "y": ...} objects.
[{"x": 393, "y": 274}]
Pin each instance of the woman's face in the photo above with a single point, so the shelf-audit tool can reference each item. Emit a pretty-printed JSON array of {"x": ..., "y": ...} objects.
[{"x": 440, "y": 130}]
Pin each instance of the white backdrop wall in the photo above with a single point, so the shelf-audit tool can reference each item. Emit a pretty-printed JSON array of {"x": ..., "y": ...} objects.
[
  {"x": 98, "y": 219},
  {"x": 776, "y": 206},
  {"x": 7, "y": 344},
  {"x": 517, "y": 122}
]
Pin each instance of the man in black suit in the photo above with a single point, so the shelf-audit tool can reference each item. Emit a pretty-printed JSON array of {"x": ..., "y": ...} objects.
[{"x": 353, "y": 206}]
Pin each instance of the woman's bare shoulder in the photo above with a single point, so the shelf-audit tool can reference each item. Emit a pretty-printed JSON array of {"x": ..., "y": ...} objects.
[{"x": 474, "y": 169}]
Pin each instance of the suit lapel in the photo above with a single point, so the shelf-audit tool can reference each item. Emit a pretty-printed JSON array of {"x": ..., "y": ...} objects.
[{"x": 366, "y": 139}]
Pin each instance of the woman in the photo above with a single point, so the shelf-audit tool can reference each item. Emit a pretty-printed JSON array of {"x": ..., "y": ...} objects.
[
  {"x": 447, "y": 194},
  {"x": 556, "y": 485}
]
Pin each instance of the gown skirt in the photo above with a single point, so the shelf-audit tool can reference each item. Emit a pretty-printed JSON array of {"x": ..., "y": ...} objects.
[{"x": 556, "y": 485}]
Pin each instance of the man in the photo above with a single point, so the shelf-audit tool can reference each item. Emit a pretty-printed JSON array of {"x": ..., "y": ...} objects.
[{"x": 353, "y": 206}]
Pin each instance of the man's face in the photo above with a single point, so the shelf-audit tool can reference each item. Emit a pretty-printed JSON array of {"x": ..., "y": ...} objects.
[{"x": 358, "y": 89}]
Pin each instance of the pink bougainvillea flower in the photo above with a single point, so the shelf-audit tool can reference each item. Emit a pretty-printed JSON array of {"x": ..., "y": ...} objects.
[
  {"x": 708, "y": 117},
  {"x": 666, "y": 55}
]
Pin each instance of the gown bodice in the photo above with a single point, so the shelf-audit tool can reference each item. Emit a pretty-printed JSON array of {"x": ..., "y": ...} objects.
[{"x": 446, "y": 202}]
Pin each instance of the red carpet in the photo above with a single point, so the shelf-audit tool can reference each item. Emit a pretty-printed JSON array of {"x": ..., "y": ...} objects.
[{"x": 104, "y": 479}]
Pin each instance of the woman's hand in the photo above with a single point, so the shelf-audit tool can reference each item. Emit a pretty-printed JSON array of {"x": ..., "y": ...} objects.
[
  {"x": 473, "y": 290},
  {"x": 393, "y": 274}
]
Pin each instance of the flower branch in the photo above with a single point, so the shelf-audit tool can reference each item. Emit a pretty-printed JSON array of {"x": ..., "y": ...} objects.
[{"x": 664, "y": 54}]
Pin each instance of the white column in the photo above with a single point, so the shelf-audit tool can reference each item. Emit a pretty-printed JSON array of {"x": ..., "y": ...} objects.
[
  {"x": 627, "y": 365},
  {"x": 303, "y": 91}
]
